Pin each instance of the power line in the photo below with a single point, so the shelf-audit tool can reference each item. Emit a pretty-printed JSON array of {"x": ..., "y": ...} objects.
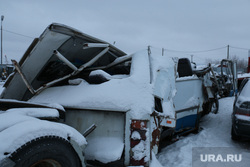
[
  {"x": 239, "y": 48},
  {"x": 209, "y": 50},
  {"x": 18, "y": 34},
  {"x": 170, "y": 50}
]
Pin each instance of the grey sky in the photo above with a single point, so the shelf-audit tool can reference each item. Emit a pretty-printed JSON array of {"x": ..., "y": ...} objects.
[{"x": 181, "y": 25}]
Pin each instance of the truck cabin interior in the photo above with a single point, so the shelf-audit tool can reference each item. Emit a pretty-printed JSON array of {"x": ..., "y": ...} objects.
[{"x": 73, "y": 51}]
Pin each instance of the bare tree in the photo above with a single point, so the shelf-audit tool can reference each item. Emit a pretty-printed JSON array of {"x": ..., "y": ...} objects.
[
  {"x": 241, "y": 63},
  {"x": 212, "y": 61}
]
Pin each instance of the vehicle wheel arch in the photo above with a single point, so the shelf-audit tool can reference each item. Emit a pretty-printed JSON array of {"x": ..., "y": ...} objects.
[
  {"x": 33, "y": 129},
  {"x": 18, "y": 156}
]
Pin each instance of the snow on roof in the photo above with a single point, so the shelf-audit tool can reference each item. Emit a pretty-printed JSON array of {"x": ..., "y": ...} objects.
[
  {"x": 36, "y": 112},
  {"x": 133, "y": 93}
]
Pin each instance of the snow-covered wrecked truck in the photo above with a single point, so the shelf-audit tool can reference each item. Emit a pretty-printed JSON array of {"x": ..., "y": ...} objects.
[{"x": 69, "y": 85}]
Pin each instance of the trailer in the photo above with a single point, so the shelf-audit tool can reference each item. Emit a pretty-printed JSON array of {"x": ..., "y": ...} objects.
[{"x": 87, "y": 96}]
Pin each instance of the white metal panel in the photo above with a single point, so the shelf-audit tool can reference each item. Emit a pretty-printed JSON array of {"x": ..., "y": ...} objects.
[
  {"x": 189, "y": 94},
  {"x": 109, "y": 125}
]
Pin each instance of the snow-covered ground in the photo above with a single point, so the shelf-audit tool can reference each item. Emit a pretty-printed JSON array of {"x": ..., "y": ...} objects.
[{"x": 216, "y": 133}]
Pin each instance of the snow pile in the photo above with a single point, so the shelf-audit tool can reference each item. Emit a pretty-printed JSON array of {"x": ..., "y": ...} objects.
[
  {"x": 154, "y": 162},
  {"x": 133, "y": 93},
  {"x": 104, "y": 149},
  {"x": 75, "y": 81},
  {"x": 106, "y": 75},
  {"x": 136, "y": 136},
  {"x": 140, "y": 150}
]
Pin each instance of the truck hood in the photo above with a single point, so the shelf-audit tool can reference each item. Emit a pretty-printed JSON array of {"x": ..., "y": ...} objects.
[{"x": 40, "y": 65}]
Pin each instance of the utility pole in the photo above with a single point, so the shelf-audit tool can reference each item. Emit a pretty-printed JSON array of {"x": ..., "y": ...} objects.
[
  {"x": 228, "y": 52},
  {"x": 192, "y": 58},
  {"x": 248, "y": 67},
  {"x": 2, "y": 17}
]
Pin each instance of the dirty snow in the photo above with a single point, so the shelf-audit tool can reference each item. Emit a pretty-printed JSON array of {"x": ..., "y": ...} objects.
[{"x": 216, "y": 133}]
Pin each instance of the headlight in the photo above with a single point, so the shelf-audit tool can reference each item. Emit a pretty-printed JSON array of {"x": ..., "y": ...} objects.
[{"x": 245, "y": 105}]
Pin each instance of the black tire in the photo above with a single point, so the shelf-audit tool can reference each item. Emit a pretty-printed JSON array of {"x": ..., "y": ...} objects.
[
  {"x": 48, "y": 151},
  {"x": 234, "y": 136},
  {"x": 215, "y": 106}
]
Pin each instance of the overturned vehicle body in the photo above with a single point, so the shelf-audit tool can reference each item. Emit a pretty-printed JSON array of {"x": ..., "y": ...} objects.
[{"x": 132, "y": 101}]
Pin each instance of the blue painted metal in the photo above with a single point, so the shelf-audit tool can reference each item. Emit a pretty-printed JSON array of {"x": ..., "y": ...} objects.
[{"x": 186, "y": 122}]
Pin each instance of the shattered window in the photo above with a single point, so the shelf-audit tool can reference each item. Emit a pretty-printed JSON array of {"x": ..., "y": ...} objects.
[{"x": 158, "y": 105}]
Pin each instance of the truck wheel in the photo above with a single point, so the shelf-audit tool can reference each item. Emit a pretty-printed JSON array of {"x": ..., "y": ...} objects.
[{"x": 48, "y": 151}]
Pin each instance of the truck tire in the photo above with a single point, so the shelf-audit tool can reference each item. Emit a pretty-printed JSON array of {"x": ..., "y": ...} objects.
[{"x": 47, "y": 151}]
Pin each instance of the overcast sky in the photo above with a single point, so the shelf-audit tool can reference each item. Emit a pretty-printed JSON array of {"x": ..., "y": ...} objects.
[{"x": 176, "y": 25}]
